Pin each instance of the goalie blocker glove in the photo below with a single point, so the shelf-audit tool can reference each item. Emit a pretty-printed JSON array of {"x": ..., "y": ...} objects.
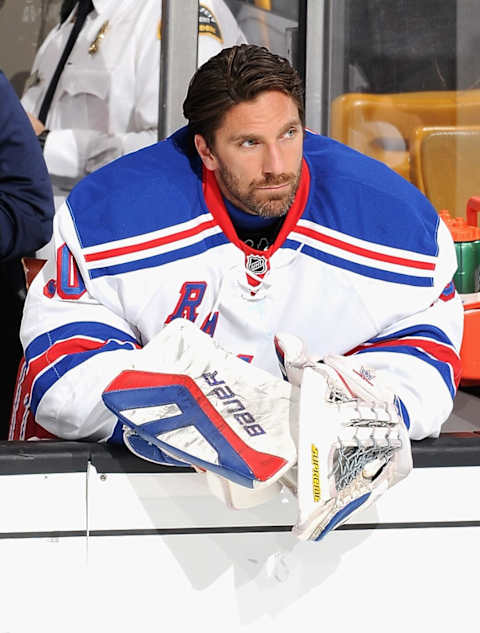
[
  {"x": 186, "y": 400},
  {"x": 352, "y": 441}
]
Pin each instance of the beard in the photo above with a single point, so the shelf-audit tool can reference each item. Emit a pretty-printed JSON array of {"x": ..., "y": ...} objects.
[{"x": 251, "y": 199}]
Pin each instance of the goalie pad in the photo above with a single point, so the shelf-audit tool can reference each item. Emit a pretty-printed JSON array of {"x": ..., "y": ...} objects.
[
  {"x": 352, "y": 442},
  {"x": 201, "y": 405}
]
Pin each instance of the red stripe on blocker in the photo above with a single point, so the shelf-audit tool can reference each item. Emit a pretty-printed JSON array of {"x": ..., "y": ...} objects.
[{"x": 262, "y": 465}]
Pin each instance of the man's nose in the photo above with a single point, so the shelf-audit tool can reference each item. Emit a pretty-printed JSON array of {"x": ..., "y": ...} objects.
[{"x": 273, "y": 162}]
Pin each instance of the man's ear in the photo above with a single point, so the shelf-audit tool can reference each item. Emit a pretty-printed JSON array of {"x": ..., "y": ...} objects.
[{"x": 208, "y": 159}]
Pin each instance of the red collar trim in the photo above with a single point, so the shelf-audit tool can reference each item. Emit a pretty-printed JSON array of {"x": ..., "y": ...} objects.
[{"x": 216, "y": 206}]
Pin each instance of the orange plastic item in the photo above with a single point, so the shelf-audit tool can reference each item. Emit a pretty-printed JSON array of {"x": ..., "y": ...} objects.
[
  {"x": 470, "y": 350},
  {"x": 463, "y": 230}
]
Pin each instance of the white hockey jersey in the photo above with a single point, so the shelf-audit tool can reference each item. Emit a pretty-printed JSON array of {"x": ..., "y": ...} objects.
[{"x": 362, "y": 266}]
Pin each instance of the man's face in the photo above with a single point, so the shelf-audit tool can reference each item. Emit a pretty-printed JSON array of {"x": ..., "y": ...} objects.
[{"x": 257, "y": 154}]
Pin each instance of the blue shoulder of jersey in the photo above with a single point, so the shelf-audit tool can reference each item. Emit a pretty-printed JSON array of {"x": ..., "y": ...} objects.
[
  {"x": 148, "y": 190},
  {"x": 359, "y": 196}
]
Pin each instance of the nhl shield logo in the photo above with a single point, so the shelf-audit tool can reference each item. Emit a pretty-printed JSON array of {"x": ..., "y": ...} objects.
[{"x": 257, "y": 264}]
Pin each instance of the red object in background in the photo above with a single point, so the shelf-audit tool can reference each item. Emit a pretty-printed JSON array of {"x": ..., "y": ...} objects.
[
  {"x": 473, "y": 209},
  {"x": 470, "y": 350}
]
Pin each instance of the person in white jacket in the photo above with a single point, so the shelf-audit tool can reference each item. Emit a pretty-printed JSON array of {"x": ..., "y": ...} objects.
[{"x": 106, "y": 101}]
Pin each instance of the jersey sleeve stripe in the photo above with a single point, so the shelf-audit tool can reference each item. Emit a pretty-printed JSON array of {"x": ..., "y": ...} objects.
[
  {"x": 442, "y": 358},
  {"x": 74, "y": 343},
  {"x": 448, "y": 292},
  {"x": 56, "y": 370},
  {"x": 418, "y": 331},
  {"x": 429, "y": 338},
  {"x": 402, "y": 409},
  {"x": 83, "y": 329}
]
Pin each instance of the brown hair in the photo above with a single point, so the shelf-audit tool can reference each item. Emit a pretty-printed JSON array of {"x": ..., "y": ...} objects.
[{"x": 232, "y": 76}]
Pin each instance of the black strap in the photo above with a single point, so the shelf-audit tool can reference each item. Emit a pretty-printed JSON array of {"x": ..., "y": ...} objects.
[
  {"x": 84, "y": 8},
  {"x": 66, "y": 9}
]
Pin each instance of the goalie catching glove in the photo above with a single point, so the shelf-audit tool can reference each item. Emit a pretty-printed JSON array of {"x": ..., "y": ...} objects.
[
  {"x": 352, "y": 441},
  {"x": 186, "y": 400}
]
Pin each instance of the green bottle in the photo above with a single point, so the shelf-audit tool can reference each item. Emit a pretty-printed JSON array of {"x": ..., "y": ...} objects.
[
  {"x": 466, "y": 236},
  {"x": 467, "y": 277}
]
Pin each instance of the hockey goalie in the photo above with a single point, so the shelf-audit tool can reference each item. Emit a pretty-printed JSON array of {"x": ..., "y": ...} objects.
[
  {"x": 241, "y": 226},
  {"x": 330, "y": 432}
]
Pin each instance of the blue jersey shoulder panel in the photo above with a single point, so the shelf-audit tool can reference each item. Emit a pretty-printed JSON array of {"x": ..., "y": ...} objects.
[
  {"x": 359, "y": 196},
  {"x": 153, "y": 188}
]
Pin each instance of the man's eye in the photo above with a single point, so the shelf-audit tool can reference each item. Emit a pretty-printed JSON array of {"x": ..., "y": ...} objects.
[
  {"x": 250, "y": 142},
  {"x": 291, "y": 132}
]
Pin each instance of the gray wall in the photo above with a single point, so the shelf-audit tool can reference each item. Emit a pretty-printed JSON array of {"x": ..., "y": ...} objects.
[{"x": 23, "y": 26}]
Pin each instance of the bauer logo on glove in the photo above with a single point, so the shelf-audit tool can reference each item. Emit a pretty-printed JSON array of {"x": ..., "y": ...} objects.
[{"x": 203, "y": 406}]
